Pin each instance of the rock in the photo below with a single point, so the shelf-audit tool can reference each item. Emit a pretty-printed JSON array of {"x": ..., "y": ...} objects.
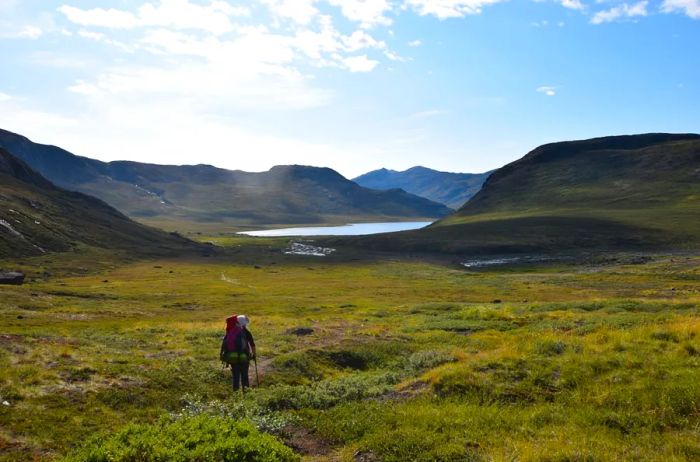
[
  {"x": 365, "y": 456},
  {"x": 12, "y": 277},
  {"x": 301, "y": 331}
]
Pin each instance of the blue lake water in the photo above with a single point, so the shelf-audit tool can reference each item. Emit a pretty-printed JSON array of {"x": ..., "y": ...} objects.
[{"x": 353, "y": 229}]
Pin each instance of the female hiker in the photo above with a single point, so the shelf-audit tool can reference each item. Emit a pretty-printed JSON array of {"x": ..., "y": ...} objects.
[{"x": 237, "y": 349}]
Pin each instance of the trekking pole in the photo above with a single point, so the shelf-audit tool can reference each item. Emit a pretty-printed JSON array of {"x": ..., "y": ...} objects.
[{"x": 257, "y": 377}]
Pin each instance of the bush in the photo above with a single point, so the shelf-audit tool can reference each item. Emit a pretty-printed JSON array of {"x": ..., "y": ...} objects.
[
  {"x": 551, "y": 348},
  {"x": 327, "y": 393},
  {"x": 200, "y": 438},
  {"x": 424, "y": 360}
]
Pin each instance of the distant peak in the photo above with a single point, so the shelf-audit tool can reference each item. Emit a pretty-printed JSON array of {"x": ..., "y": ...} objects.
[{"x": 419, "y": 168}]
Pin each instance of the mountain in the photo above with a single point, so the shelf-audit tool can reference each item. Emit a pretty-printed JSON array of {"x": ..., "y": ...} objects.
[
  {"x": 451, "y": 189},
  {"x": 621, "y": 192},
  {"x": 170, "y": 195},
  {"x": 38, "y": 217}
]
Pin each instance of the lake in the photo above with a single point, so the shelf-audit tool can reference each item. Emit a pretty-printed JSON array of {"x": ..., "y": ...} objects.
[{"x": 352, "y": 229}]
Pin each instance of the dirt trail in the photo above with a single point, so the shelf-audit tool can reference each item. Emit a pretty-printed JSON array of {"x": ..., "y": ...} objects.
[
  {"x": 235, "y": 282},
  {"x": 309, "y": 445}
]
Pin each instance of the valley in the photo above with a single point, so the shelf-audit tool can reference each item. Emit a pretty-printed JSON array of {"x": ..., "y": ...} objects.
[
  {"x": 391, "y": 358},
  {"x": 196, "y": 198},
  {"x": 556, "y": 316},
  {"x": 349, "y": 231}
]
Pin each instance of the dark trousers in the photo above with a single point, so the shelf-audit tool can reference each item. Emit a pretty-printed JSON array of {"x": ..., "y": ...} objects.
[{"x": 240, "y": 375}]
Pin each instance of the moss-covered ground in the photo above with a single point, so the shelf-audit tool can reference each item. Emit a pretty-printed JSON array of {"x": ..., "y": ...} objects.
[{"x": 399, "y": 359}]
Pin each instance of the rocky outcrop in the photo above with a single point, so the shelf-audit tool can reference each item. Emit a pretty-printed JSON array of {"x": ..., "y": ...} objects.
[{"x": 12, "y": 278}]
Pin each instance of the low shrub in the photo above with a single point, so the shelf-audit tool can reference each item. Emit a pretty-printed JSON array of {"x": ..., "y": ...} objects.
[
  {"x": 201, "y": 438},
  {"x": 424, "y": 360},
  {"x": 551, "y": 348},
  {"x": 327, "y": 393}
]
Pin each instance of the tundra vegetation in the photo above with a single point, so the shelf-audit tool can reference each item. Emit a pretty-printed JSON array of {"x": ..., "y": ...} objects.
[{"x": 106, "y": 358}]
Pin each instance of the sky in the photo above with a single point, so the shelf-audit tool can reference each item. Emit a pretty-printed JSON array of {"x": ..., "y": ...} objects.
[{"x": 355, "y": 85}]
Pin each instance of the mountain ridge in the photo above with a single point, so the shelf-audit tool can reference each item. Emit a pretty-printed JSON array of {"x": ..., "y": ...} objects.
[
  {"x": 632, "y": 192},
  {"x": 449, "y": 188},
  {"x": 291, "y": 194},
  {"x": 38, "y": 217}
]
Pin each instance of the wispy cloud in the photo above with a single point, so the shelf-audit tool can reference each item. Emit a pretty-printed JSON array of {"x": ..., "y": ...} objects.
[
  {"x": 180, "y": 14},
  {"x": 444, "y": 9},
  {"x": 624, "y": 11},
  {"x": 13, "y": 31},
  {"x": 368, "y": 13},
  {"x": 415, "y": 43},
  {"x": 691, "y": 8},
  {"x": 572, "y": 4},
  {"x": 299, "y": 11},
  {"x": 547, "y": 90}
]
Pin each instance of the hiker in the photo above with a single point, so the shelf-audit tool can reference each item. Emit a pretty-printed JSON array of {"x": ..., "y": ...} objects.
[{"x": 237, "y": 349}]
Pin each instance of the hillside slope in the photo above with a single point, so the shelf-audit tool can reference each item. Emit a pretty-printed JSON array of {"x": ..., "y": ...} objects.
[
  {"x": 451, "y": 189},
  {"x": 38, "y": 217},
  {"x": 624, "y": 192},
  {"x": 202, "y": 193}
]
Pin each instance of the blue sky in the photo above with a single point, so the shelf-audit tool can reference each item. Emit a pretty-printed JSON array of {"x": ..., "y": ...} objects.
[{"x": 457, "y": 85}]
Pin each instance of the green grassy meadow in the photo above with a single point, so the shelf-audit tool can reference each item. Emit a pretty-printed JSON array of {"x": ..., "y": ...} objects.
[{"x": 404, "y": 359}]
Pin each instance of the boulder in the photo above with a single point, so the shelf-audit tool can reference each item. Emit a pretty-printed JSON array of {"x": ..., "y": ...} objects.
[{"x": 12, "y": 277}]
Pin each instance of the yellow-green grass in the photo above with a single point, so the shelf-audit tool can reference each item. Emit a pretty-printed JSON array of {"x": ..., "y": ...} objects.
[{"x": 407, "y": 360}]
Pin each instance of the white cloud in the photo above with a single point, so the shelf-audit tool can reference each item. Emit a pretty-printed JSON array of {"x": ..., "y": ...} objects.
[
  {"x": 59, "y": 60},
  {"x": 111, "y": 18},
  {"x": 620, "y": 12},
  {"x": 252, "y": 67},
  {"x": 547, "y": 90},
  {"x": 444, "y": 9},
  {"x": 4, "y": 97},
  {"x": 84, "y": 88},
  {"x": 299, "y": 11},
  {"x": 360, "y": 63},
  {"x": 13, "y": 31},
  {"x": 99, "y": 37},
  {"x": 415, "y": 43},
  {"x": 19, "y": 119},
  {"x": 359, "y": 40},
  {"x": 179, "y": 14},
  {"x": 368, "y": 13},
  {"x": 690, "y": 7},
  {"x": 31, "y": 32},
  {"x": 572, "y": 4}
]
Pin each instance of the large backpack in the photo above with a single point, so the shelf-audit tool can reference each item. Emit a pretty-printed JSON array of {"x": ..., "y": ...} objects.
[{"x": 235, "y": 347}]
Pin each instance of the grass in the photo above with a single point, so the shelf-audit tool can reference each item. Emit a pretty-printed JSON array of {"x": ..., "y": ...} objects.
[
  {"x": 637, "y": 193},
  {"x": 406, "y": 360}
]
